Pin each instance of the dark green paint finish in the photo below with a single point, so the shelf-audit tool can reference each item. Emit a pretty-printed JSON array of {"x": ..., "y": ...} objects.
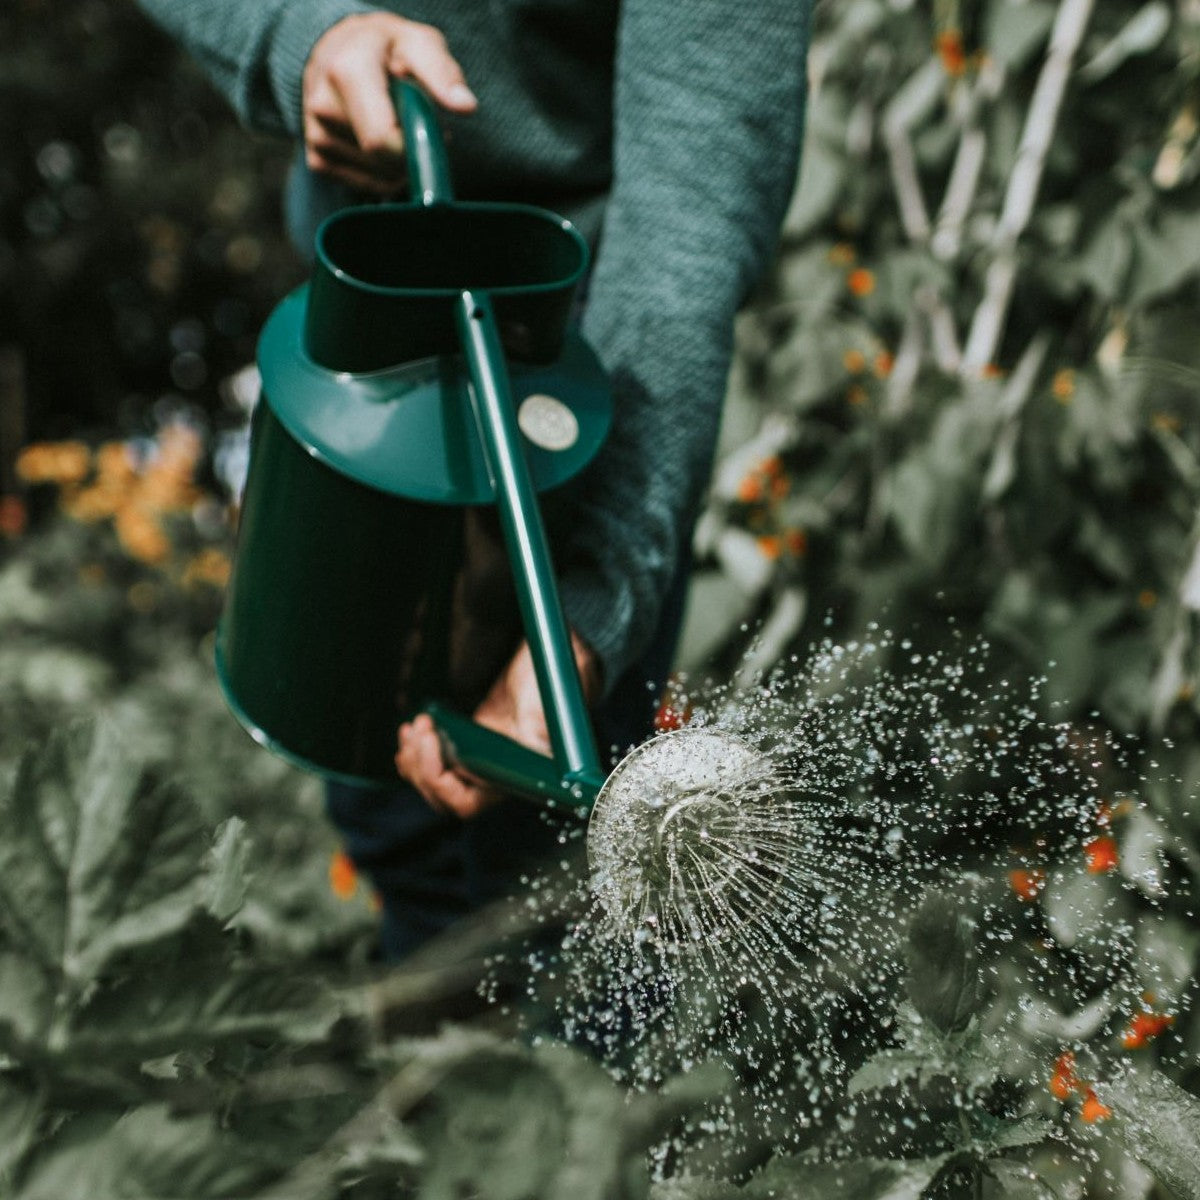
[
  {"x": 411, "y": 430},
  {"x": 331, "y": 582}
]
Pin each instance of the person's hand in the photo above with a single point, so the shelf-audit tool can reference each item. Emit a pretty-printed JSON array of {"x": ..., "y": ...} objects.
[
  {"x": 350, "y": 125},
  {"x": 512, "y": 707}
]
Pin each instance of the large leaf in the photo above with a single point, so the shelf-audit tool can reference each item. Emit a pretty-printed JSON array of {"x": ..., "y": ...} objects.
[
  {"x": 864, "y": 1179},
  {"x": 1160, "y": 1125},
  {"x": 148, "y": 1153},
  {"x": 97, "y": 859},
  {"x": 944, "y": 981}
]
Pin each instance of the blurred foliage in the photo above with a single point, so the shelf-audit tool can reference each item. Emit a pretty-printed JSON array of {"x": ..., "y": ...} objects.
[
  {"x": 962, "y": 407},
  {"x": 140, "y": 238}
]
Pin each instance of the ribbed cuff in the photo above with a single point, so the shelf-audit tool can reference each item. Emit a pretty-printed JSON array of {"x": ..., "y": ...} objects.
[
  {"x": 299, "y": 29},
  {"x": 603, "y": 621}
]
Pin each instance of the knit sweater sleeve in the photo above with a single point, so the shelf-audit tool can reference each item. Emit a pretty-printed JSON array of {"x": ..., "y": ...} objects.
[
  {"x": 709, "y": 111},
  {"x": 254, "y": 50}
]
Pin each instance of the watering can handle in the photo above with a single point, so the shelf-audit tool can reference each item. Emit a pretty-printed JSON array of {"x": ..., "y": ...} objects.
[{"x": 424, "y": 151}]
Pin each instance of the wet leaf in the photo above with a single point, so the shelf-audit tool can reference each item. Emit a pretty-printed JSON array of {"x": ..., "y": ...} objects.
[
  {"x": 943, "y": 982},
  {"x": 1159, "y": 1123},
  {"x": 865, "y": 1179}
]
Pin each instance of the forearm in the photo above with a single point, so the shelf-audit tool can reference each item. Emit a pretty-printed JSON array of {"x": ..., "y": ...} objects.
[
  {"x": 253, "y": 50},
  {"x": 709, "y": 113}
]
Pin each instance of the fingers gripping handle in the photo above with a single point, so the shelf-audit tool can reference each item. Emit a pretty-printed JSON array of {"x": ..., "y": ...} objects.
[{"x": 425, "y": 153}]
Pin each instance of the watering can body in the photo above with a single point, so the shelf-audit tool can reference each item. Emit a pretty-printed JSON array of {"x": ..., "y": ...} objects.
[{"x": 371, "y": 576}]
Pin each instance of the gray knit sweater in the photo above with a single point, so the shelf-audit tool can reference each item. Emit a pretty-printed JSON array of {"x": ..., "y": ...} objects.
[{"x": 684, "y": 118}]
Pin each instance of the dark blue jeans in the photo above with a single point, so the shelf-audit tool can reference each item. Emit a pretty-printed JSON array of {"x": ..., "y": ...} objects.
[{"x": 430, "y": 869}]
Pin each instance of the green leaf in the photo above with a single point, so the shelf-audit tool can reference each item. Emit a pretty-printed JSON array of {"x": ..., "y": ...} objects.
[
  {"x": 147, "y": 1153},
  {"x": 227, "y": 879},
  {"x": 1159, "y": 1124},
  {"x": 1143, "y": 32},
  {"x": 862, "y": 1179},
  {"x": 944, "y": 982},
  {"x": 97, "y": 859},
  {"x": 21, "y": 1111},
  {"x": 1106, "y": 260},
  {"x": 1017, "y": 1181},
  {"x": 201, "y": 1000},
  {"x": 886, "y": 1069},
  {"x": 1015, "y": 31}
]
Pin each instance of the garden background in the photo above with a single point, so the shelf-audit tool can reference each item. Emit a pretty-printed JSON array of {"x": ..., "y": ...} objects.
[{"x": 963, "y": 407}]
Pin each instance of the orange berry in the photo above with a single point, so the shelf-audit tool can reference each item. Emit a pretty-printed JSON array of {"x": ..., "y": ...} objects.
[
  {"x": 750, "y": 490},
  {"x": 857, "y": 395},
  {"x": 1145, "y": 1027},
  {"x": 796, "y": 541},
  {"x": 780, "y": 486},
  {"x": 855, "y": 361},
  {"x": 1091, "y": 1110},
  {"x": 13, "y": 517},
  {"x": 1101, "y": 854},
  {"x": 842, "y": 254},
  {"x": 672, "y": 715},
  {"x": 949, "y": 47},
  {"x": 771, "y": 467},
  {"x": 1147, "y": 598},
  {"x": 883, "y": 364},
  {"x": 771, "y": 545},
  {"x": 343, "y": 878},
  {"x": 860, "y": 281},
  {"x": 1063, "y": 1080},
  {"x": 1062, "y": 387},
  {"x": 992, "y": 371},
  {"x": 1027, "y": 884}
]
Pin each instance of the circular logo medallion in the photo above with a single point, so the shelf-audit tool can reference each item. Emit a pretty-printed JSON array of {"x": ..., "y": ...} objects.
[{"x": 547, "y": 422}]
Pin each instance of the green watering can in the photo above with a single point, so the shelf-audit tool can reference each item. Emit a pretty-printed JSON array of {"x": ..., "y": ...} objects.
[{"x": 418, "y": 393}]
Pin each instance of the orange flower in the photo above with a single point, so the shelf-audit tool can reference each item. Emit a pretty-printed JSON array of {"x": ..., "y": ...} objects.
[
  {"x": 1091, "y": 1110},
  {"x": 1063, "y": 1080},
  {"x": 54, "y": 462},
  {"x": 883, "y": 364},
  {"x": 114, "y": 463},
  {"x": 13, "y": 517},
  {"x": 343, "y": 878},
  {"x": 796, "y": 541},
  {"x": 209, "y": 566},
  {"x": 1027, "y": 884},
  {"x": 860, "y": 281},
  {"x": 1145, "y": 1027},
  {"x": 842, "y": 254},
  {"x": 949, "y": 47},
  {"x": 855, "y": 361},
  {"x": 1101, "y": 854},
  {"x": 141, "y": 535},
  {"x": 1062, "y": 387},
  {"x": 771, "y": 545}
]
